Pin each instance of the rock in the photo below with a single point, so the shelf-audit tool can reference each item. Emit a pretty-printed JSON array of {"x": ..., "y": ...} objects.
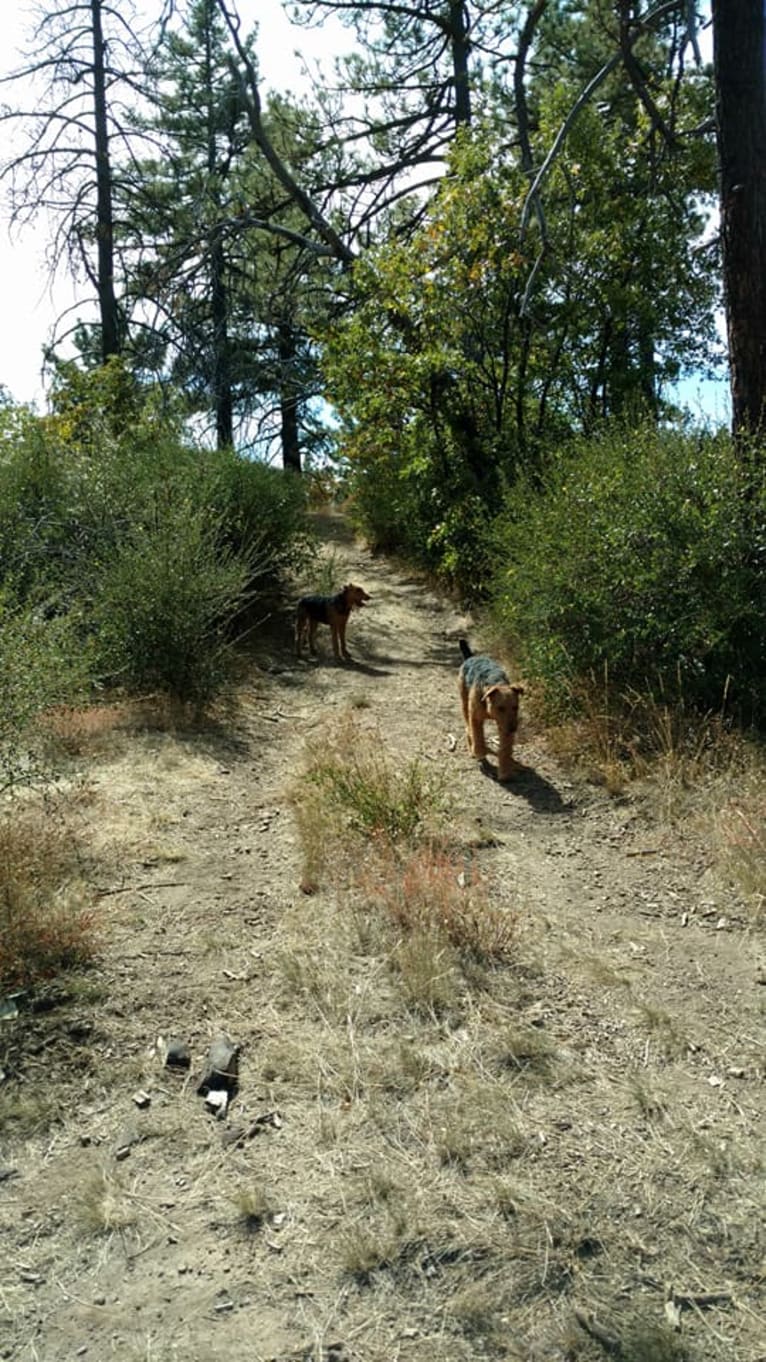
[
  {"x": 217, "y": 1100},
  {"x": 221, "y": 1068},
  {"x": 177, "y": 1054}
]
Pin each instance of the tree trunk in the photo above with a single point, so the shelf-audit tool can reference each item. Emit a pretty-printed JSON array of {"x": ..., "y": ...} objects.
[
  {"x": 222, "y": 395},
  {"x": 288, "y": 401},
  {"x": 460, "y": 44},
  {"x": 219, "y": 298},
  {"x": 738, "y": 46},
  {"x": 110, "y": 331}
]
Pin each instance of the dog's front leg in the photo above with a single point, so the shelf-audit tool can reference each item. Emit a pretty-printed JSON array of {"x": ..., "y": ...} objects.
[
  {"x": 476, "y": 739},
  {"x": 342, "y": 635},
  {"x": 505, "y": 756}
]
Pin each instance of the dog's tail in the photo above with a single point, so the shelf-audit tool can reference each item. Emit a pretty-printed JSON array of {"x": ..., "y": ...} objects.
[{"x": 464, "y": 648}]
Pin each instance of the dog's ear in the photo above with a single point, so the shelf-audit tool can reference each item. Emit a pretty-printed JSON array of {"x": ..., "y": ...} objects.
[
  {"x": 518, "y": 690},
  {"x": 486, "y": 694}
]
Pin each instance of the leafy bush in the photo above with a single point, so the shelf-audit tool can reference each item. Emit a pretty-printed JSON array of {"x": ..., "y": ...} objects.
[
  {"x": 640, "y": 557},
  {"x": 262, "y": 512},
  {"x": 42, "y": 663},
  {"x": 108, "y": 514},
  {"x": 164, "y": 603}
]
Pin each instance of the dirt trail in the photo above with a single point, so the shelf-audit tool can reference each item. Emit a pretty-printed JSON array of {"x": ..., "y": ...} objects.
[{"x": 124, "y": 1231}]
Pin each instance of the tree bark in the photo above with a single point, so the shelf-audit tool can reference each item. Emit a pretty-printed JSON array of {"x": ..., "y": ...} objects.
[
  {"x": 288, "y": 401},
  {"x": 738, "y": 48},
  {"x": 460, "y": 44},
  {"x": 219, "y": 299},
  {"x": 110, "y": 331}
]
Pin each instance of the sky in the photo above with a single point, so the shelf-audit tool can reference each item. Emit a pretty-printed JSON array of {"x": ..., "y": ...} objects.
[{"x": 32, "y": 302}]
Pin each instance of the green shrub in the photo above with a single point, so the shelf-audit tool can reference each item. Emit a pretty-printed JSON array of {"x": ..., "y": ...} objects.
[
  {"x": 164, "y": 603},
  {"x": 108, "y": 515},
  {"x": 42, "y": 663},
  {"x": 637, "y": 559},
  {"x": 262, "y": 511}
]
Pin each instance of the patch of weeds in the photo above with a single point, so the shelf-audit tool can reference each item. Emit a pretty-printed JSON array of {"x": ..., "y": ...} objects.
[
  {"x": 477, "y": 1126},
  {"x": 254, "y": 1206},
  {"x": 651, "y": 1104},
  {"x": 329, "y": 1128},
  {"x": 665, "y": 1030},
  {"x": 359, "y": 700},
  {"x": 312, "y": 978},
  {"x": 351, "y": 791},
  {"x": 476, "y": 1310},
  {"x": 742, "y": 838},
  {"x": 372, "y": 1247},
  {"x": 327, "y": 576},
  {"x": 403, "y": 1068},
  {"x": 314, "y": 820},
  {"x": 47, "y": 919},
  {"x": 24, "y": 1113},
  {"x": 648, "y": 1341},
  {"x": 506, "y": 1199},
  {"x": 103, "y": 1204},
  {"x": 91, "y": 729},
  {"x": 427, "y": 969},
  {"x": 437, "y": 893},
  {"x": 716, "y": 1154},
  {"x": 605, "y": 973},
  {"x": 523, "y": 1050},
  {"x": 286, "y": 1062}
]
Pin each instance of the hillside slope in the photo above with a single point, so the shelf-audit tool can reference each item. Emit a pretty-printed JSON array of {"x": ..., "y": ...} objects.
[{"x": 575, "y": 1135}]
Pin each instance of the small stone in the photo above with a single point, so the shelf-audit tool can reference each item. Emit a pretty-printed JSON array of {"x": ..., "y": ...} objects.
[{"x": 177, "y": 1054}]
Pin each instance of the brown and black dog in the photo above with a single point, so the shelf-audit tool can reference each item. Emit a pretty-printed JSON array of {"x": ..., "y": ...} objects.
[
  {"x": 333, "y": 610},
  {"x": 486, "y": 693}
]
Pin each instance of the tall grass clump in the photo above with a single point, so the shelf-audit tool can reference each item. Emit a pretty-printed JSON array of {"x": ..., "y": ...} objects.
[
  {"x": 434, "y": 893},
  {"x": 47, "y": 923},
  {"x": 353, "y": 798},
  {"x": 639, "y": 557},
  {"x": 43, "y": 662},
  {"x": 373, "y": 795}
]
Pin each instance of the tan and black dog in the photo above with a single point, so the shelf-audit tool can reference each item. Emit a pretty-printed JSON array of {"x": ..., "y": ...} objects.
[
  {"x": 486, "y": 693},
  {"x": 332, "y": 610}
]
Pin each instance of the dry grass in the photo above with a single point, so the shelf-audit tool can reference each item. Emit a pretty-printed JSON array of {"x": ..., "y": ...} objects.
[
  {"x": 384, "y": 830},
  {"x": 254, "y": 1206},
  {"x": 489, "y": 1122},
  {"x": 47, "y": 918},
  {"x": 619, "y": 739},
  {"x": 441, "y": 895},
  {"x": 741, "y": 839},
  {"x": 104, "y": 1203},
  {"x": 694, "y": 768},
  {"x": 350, "y": 795}
]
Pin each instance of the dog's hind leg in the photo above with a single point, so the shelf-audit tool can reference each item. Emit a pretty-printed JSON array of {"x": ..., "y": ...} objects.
[{"x": 299, "y": 632}]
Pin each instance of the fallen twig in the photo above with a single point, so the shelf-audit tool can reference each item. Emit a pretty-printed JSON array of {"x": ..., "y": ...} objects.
[
  {"x": 136, "y": 888},
  {"x": 608, "y": 1341}
]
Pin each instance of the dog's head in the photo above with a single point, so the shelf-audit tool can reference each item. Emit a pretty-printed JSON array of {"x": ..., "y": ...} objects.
[
  {"x": 355, "y": 596},
  {"x": 503, "y": 706}
]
